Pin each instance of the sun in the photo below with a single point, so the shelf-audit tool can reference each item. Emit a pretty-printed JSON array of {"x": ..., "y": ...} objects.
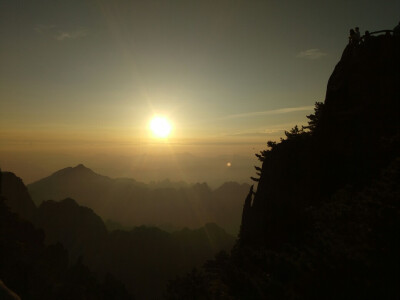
[{"x": 160, "y": 127}]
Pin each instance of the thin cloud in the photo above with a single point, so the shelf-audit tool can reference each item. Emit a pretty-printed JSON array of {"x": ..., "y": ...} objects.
[
  {"x": 268, "y": 112},
  {"x": 71, "y": 35},
  {"x": 312, "y": 54},
  {"x": 52, "y": 31}
]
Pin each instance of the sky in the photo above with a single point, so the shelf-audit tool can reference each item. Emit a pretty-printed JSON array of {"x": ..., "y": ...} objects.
[{"x": 81, "y": 80}]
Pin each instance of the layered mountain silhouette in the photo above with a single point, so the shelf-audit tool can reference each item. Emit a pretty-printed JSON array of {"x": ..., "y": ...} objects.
[
  {"x": 78, "y": 228},
  {"x": 322, "y": 223},
  {"x": 132, "y": 203},
  {"x": 31, "y": 270},
  {"x": 324, "y": 220},
  {"x": 16, "y": 196},
  {"x": 144, "y": 258}
]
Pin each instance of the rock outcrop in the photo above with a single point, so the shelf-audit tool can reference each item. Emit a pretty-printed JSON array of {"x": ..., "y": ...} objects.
[
  {"x": 351, "y": 137},
  {"x": 324, "y": 221}
]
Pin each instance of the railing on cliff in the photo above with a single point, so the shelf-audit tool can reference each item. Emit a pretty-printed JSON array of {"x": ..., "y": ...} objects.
[
  {"x": 353, "y": 47},
  {"x": 381, "y": 31},
  {"x": 385, "y": 31}
]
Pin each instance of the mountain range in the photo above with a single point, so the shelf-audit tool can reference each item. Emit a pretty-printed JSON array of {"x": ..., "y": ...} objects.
[
  {"x": 30, "y": 269},
  {"x": 132, "y": 203},
  {"x": 144, "y": 258}
]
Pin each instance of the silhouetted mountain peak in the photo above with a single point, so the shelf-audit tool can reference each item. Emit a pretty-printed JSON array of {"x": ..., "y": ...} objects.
[
  {"x": 69, "y": 202},
  {"x": 16, "y": 195},
  {"x": 67, "y": 182},
  {"x": 77, "y": 170},
  {"x": 71, "y": 224},
  {"x": 132, "y": 203},
  {"x": 69, "y": 205}
]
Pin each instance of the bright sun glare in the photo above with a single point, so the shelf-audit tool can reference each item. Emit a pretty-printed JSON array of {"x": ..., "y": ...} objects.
[{"x": 160, "y": 127}]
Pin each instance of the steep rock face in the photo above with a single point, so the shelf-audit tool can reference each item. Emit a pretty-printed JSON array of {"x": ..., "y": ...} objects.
[
  {"x": 16, "y": 195},
  {"x": 354, "y": 134}
]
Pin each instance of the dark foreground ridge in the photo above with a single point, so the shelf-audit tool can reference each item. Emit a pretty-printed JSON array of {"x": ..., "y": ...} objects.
[
  {"x": 324, "y": 221},
  {"x": 29, "y": 269},
  {"x": 350, "y": 138}
]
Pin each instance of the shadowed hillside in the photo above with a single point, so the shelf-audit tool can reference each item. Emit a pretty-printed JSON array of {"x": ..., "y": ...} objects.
[
  {"x": 132, "y": 203},
  {"x": 144, "y": 258},
  {"x": 324, "y": 220},
  {"x": 77, "y": 228},
  {"x": 32, "y": 270},
  {"x": 13, "y": 188}
]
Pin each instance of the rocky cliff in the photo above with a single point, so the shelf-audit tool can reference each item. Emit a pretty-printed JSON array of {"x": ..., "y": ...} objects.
[
  {"x": 351, "y": 137},
  {"x": 323, "y": 222}
]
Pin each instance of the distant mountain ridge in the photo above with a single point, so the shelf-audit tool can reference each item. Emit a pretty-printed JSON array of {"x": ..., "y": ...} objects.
[
  {"x": 133, "y": 203},
  {"x": 150, "y": 256}
]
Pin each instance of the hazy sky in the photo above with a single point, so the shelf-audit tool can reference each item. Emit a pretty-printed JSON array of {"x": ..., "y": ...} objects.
[{"x": 80, "y": 80}]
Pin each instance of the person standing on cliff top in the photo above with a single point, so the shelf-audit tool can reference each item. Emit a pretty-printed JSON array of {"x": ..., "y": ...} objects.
[
  {"x": 357, "y": 35},
  {"x": 352, "y": 37}
]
